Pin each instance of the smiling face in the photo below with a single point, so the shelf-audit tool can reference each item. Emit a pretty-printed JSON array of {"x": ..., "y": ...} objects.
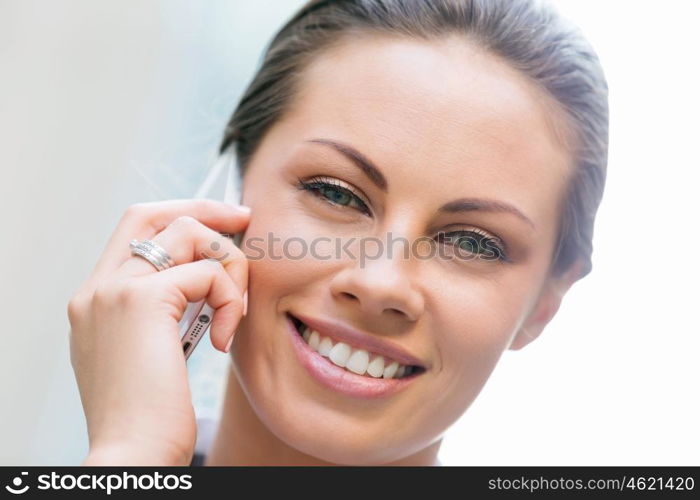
[{"x": 447, "y": 127}]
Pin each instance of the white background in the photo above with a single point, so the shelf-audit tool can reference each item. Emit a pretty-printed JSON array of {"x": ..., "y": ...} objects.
[{"x": 101, "y": 101}]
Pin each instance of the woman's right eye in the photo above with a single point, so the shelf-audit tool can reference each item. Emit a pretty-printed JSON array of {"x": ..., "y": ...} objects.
[{"x": 333, "y": 192}]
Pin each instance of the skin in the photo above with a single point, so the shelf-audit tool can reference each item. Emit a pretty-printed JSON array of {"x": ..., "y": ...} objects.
[{"x": 442, "y": 120}]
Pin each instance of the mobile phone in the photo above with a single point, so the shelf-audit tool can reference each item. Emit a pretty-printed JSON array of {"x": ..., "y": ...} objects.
[
  {"x": 197, "y": 318},
  {"x": 195, "y": 326},
  {"x": 198, "y": 315}
]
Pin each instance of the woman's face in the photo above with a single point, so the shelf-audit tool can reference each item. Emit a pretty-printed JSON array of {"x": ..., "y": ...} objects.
[{"x": 463, "y": 146}]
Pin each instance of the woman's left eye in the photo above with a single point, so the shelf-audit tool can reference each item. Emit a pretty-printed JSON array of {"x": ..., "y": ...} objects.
[
  {"x": 334, "y": 192},
  {"x": 474, "y": 243}
]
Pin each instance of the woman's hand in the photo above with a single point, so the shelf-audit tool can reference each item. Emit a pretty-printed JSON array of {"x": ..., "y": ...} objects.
[{"x": 125, "y": 344}]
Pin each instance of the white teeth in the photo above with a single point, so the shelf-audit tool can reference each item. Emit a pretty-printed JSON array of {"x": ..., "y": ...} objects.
[
  {"x": 354, "y": 360},
  {"x": 340, "y": 353},
  {"x": 376, "y": 367},
  {"x": 324, "y": 348},
  {"x": 390, "y": 370},
  {"x": 314, "y": 339},
  {"x": 358, "y": 362}
]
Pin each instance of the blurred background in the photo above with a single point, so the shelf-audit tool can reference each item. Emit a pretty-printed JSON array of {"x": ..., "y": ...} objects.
[{"x": 104, "y": 104}]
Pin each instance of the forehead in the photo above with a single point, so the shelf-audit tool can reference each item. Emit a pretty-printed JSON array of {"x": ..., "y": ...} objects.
[{"x": 442, "y": 110}]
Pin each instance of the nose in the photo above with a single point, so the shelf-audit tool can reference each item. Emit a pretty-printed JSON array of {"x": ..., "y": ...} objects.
[{"x": 379, "y": 287}]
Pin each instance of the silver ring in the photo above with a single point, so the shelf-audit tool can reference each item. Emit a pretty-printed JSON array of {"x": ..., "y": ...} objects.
[
  {"x": 169, "y": 262},
  {"x": 152, "y": 252}
]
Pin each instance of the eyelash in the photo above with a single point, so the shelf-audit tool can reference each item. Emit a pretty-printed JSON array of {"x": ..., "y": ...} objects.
[
  {"x": 315, "y": 185},
  {"x": 483, "y": 240}
]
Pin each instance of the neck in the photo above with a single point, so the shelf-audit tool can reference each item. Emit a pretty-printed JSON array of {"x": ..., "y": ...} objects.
[{"x": 242, "y": 439}]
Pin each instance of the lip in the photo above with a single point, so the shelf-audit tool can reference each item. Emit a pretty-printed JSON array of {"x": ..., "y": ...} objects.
[
  {"x": 359, "y": 340},
  {"x": 339, "y": 379}
]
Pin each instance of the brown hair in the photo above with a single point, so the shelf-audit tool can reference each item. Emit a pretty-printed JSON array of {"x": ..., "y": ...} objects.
[{"x": 529, "y": 34}]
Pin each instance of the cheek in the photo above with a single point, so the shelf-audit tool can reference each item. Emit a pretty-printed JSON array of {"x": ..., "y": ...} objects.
[
  {"x": 472, "y": 348},
  {"x": 281, "y": 247},
  {"x": 476, "y": 322}
]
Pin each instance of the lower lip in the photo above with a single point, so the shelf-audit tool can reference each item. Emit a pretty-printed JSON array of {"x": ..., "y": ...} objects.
[{"x": 339, "y": 379}]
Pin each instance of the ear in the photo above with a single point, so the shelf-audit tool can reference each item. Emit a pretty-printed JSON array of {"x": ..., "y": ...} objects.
[{"x": 547, "y": 305}]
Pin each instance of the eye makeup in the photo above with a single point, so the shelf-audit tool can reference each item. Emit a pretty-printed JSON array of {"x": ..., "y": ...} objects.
[
  {"x": 336, "y": 192},
  {"x": 472, "y": 240},
  {"x": 475, "y": 241}
]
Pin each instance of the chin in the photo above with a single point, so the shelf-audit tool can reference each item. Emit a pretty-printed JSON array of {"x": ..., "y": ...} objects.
[
  {"x": 332, "y": 438},
  {"x": 313, "y": 420}
]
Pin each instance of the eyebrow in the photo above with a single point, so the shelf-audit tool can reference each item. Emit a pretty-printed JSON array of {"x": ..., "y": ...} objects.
[
  {"x": 472, "y": 204},
  {"x": 461, "y": 205},
  {"x": 374, "y": 174}
]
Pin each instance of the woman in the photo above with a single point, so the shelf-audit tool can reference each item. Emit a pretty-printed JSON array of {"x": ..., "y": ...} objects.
[{"x": 473, "y": 132}]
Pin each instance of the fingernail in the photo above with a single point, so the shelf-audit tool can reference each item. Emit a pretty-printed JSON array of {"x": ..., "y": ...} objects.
[
  {"x": 245, "y": 302},
  {"x": 243, "y": 208},
  {"x": 228, "y": 345}
]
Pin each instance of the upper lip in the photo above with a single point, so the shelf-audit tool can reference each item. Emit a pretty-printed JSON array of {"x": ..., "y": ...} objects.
[{"x": 338, "y": 330}]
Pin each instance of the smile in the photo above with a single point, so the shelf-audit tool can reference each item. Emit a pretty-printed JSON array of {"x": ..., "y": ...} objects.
[{"x": 347, "y": 368}]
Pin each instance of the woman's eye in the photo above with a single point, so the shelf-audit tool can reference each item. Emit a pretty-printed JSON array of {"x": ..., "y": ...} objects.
[
  {"x": 335, "y": 194},
  {"x": 473, "y": 243}
]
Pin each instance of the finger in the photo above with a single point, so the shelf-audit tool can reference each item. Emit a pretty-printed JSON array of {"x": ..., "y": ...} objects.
[
  {"x": 186, "y": 240},
  {"x": 198, "y": 280},
  {"x": 144, "y": 220}
]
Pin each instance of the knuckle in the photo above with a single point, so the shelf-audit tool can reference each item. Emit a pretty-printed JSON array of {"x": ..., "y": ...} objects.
[
  {"x": 185, "y": 221},
  {"x": 219, "y": 247},
  {"x": 236, "y": 296},
  {"x": 237, "y": 259},
  {"x": 103, "y": 295},
  {"x": 238, "y": 253},
  {"x": 76, "y": 308},
  {"x": 118, "y": 292},
  {"x": 212, "y": 265},
  {"x": 203, "y": 204},
  {"x": 229, "y": 288},
  {"x": 234, "y": 300},
  {"x": 128, "y": 291},
  {"x": 136, "y": 210},
  {"x": 214, "y": 268}
]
